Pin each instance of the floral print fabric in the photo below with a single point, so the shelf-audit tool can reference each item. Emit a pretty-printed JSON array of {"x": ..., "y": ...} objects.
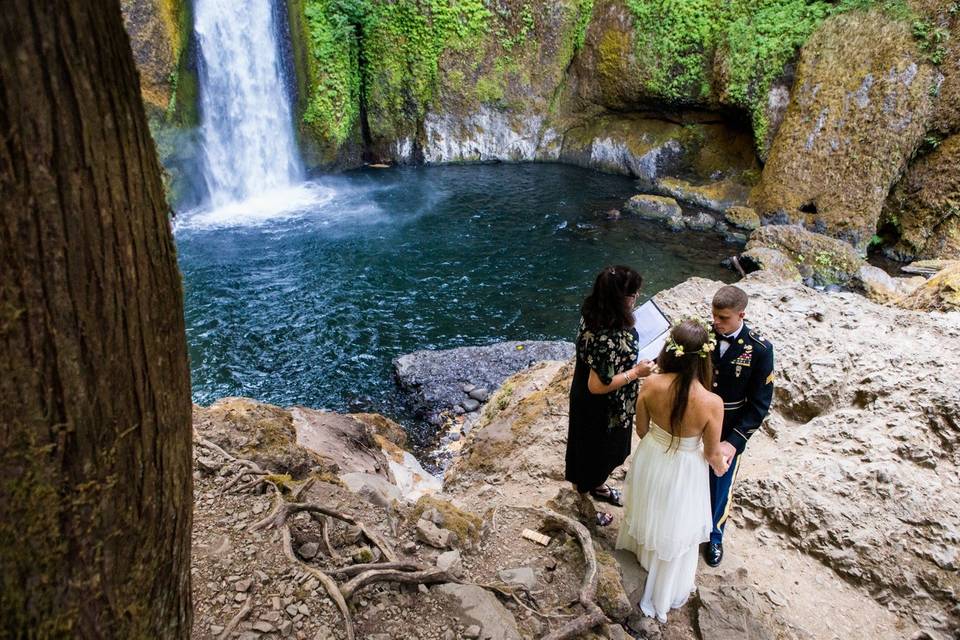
[{"x": 609, "y": 352}]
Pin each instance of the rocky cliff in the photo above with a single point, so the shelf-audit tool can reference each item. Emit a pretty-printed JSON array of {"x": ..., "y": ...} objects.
[
  {"x": 846, "y": 521},
  {"x": 840, "y": 114}
]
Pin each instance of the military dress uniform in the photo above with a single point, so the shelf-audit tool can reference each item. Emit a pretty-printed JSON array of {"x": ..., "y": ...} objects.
[{"x": 743, "y": 377}]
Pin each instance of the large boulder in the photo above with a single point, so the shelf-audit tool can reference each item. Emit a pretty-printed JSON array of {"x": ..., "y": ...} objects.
[
  {"x": 260, "y": 432},
  {"x": 880, "y": 287},
  {"x": 861, "y": 103},
  {"x": 925, "y": 205},
  {"x": 716, "y": 196},
  {"x": 772, "y": 261},
  {"x": 742, "y": 218},
  {"x": 940, "y": 293},
  {"x": 824, "y": 259},
  {"x": 653, "y": 207},
  {"x": 434, "y": 380}
]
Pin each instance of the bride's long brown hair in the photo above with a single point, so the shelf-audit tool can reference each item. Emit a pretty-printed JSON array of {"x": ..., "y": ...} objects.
[{"x": 693, "y": 363}]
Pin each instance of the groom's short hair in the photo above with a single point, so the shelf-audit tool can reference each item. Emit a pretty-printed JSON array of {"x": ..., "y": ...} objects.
[{"x": 730, "y": 297}]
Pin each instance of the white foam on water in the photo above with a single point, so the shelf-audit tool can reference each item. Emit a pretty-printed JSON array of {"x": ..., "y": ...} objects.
[{"x": 267, "y": 208}]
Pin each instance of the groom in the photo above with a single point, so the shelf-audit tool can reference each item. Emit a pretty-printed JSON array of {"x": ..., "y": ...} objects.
[{"x": 743, "y": 377}]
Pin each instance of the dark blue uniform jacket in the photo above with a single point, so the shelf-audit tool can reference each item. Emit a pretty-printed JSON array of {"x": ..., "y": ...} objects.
[{"x": 743, "y": 377}]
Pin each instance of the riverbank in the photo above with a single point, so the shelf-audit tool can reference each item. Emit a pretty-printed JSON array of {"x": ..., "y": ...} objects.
[{"x": 862, "y": 434}]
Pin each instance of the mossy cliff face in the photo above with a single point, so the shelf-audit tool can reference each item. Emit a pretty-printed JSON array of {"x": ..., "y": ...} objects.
[
  {"x": 924, "y": 207},
  {"x": 861, "y": 102},
  {"x": 159, "y": 32},
  {"x": 705, "y": 53},
  {"x": 325, "y": 42},
  {"x": 496, "y": 95},
  {"x": 161, "y": 39}
]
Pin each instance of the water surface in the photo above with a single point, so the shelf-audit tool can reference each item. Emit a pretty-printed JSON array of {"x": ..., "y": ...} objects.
[{"x": 308, "y": 303}]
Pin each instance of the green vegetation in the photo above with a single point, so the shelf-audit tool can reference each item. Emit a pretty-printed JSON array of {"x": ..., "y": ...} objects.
[
  {"x": 332, "y": 108},
  {"x": 402, "y": 45},
  {"x": 736, "y": 49}
]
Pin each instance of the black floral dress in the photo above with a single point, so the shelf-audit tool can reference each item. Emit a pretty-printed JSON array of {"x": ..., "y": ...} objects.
[{"x": 598, "y": 438}]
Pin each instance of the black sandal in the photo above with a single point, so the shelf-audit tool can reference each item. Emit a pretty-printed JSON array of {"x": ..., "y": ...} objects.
[
  {"x": 604, "y": 519},
  {"x": 611, "y": 495}
]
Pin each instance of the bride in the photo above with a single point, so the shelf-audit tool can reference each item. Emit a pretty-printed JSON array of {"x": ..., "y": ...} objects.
[{"x": 667, "y": 490}]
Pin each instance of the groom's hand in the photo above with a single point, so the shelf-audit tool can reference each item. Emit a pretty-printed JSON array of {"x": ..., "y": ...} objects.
[{"x": 728, "y": 451}]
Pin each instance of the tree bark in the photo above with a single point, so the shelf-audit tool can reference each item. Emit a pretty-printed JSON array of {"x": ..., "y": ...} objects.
[{"x": 95, "y": 435}]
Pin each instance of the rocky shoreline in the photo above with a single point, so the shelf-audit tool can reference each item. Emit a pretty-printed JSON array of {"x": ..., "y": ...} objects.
[
  {"x": 845, "y": 523},
  {"x": 461, "y": 380}
]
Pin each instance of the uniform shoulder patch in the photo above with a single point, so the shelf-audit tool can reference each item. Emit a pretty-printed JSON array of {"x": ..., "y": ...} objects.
[{"x": 759, "y": 339}]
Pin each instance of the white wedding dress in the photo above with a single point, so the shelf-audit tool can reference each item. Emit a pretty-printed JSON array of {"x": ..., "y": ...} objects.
[{"x": 667, "y": 517}]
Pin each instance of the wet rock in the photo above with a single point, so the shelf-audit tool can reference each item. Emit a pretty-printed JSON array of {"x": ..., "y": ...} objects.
[
  {"x": 479, "y": 394},
  {"x": 470, "y": 405},
  {"x": 742, "y": 218},
  {"x": 676, "y": 223},
  {"x": 715, "y": 196},
  {"x": 433, "y": 379},
  {"x": 653, "y": 207},
  {"x": 701, "y": 222}
]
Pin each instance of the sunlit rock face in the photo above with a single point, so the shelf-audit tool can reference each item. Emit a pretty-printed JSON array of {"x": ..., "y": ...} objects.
[{"x": 862, "y": 100}]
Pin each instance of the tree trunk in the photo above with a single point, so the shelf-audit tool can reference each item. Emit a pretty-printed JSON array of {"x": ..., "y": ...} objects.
[{"x": 95, "y": 436}]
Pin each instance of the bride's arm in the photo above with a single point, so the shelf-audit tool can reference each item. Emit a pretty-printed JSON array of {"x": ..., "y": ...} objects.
[
  {"x": 711, "y": 436},
  {"x": 643, "y": 416}
]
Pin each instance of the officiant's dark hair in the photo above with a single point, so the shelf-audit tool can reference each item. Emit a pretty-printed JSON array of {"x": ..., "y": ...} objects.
[
  {"x": 605, "y": 307},
  {"x": 694, "y": 363}
]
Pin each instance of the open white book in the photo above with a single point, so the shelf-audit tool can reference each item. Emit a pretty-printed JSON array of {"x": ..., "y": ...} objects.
[{"x": 653, "y": 327}]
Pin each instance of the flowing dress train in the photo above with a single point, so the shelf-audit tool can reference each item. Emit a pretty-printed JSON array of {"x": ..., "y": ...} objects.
[{"x": 667, "y": 517}]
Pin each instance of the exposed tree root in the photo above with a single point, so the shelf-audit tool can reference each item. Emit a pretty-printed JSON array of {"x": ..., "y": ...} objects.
[
  {"x": 354, "y": 569},
  {"x": 283, "y": 510},
  {"x": 425, "y": 576},
  {"x": 325, "y": 524},
  {"x": 237, "y": 619},
  {"x": 391, "y": 569},
  {"x": 593, "y": 615},
  {"x": 328, "y": 583}
]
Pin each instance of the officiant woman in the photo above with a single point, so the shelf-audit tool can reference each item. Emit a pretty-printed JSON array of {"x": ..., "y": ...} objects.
[{"x": 603, "y": 396}]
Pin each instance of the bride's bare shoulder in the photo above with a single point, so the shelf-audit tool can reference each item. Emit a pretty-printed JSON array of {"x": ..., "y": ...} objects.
[{"x": 657, "y": 380}]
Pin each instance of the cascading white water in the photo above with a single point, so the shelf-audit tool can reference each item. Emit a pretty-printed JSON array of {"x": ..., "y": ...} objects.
[{"x": 246, "y": 123}]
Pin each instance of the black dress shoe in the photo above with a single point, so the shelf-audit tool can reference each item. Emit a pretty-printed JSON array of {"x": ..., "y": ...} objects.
[{"x": 713, "y": 553}]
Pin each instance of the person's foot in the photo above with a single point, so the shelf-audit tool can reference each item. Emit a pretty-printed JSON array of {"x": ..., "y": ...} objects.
[
  {"x": 604, "y": 519},
  {"x": 606, "y": 493},
  {"x": 713, "y": 553}
]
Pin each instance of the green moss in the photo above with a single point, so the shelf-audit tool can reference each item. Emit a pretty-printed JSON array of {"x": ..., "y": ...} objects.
[
  {"x": 694, "y": 50},
  {"x": 402, "y": 44},
  {"x": 331, "y": 110},
  {"x": 584, "y": 13},
  {"x": 463, "y": 523}
]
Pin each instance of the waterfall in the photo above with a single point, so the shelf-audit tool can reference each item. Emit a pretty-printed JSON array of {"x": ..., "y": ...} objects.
[{"x": 246, "y": 122}]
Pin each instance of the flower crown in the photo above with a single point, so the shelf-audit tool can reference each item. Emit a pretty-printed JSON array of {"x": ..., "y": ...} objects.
[{"x": 703, "y": 351}]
